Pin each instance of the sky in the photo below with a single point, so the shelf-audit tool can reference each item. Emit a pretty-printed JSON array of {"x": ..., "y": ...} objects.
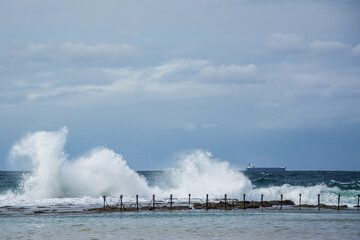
[{"x": 266, "y": 82}]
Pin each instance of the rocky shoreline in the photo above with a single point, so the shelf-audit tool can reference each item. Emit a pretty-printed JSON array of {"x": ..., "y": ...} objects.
[{"x": 231, "y": 204}]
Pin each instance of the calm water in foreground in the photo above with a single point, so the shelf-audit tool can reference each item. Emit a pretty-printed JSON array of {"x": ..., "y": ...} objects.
[{"x": 186, "y": 225}]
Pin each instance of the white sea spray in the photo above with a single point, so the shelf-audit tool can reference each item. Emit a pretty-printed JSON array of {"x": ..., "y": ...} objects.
[
  {"x": 56, "y": 179},
  {"x": 199, "y": 173},
  {"x": 99, "y": 172}
]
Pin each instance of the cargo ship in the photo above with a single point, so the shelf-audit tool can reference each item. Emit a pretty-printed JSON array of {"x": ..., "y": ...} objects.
[{"x": 252, "y": 167}]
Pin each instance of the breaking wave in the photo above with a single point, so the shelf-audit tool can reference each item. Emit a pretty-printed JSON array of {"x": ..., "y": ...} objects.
[
  {"x": 100, "y": 171},
  {"x": 55, "y": 178}
]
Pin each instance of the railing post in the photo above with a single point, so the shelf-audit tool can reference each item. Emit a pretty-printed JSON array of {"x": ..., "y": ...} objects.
[
  {"x": 262, "y": 202},
  {"x": 137, "y": 202},
  {"x": 225, "y": 202},
  {"x": 189, "y": 201},
  {"x": 153, "y": 200},
  {"x": 300, "y": 202},
  {"x": 207, "y": 202},
  {"x": 171, "y": 202},
  {"x": 281, "y": 201},
  {"x": 358, "y": 202},
  {"x": 338, "y": 203},
  {"x": 121, "y": 203},
  {"x": 104, "y": 201},
  {"x": 319, "y": 202},
  {"x": 244, "y": 200}
]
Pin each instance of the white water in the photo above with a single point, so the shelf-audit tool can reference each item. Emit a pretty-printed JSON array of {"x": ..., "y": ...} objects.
[
  {"x": 56, "y": 179},
  {"x": 198, "y": 173},
  {"x": 309, "y": 195},
  {"x": 101, "y": 171}
]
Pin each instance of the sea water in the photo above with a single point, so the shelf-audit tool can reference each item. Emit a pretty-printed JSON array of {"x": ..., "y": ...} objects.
[
  {"x": 65, "y": 187},
  {"x": 185, "y": 225}
]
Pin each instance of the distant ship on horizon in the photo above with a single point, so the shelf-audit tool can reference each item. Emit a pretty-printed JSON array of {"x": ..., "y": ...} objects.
[{"x": 252, "y": 167}]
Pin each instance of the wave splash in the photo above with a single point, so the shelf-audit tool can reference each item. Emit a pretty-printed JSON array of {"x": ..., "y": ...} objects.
[
  {"x": 200, "y": 174},
  {"x": 99, "y": 172},
  {"x": 55, "y": 178},
  {"x": 104, "y": 172}
]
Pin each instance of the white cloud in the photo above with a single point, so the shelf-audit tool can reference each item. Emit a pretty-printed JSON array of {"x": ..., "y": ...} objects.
[
  {"x": 126, "y": 33},
  {"x": 307, "y": 89},
  {"x": 44, "y": 74},
  {"x": 37, "y": 52},
  {"x": 208, "y": 125},
  {"x": 283, "y": 42},
  {"x": 231, "y": 73},
  {"x": 356, "y": 50},
  {"x": 172, "y": 71},
  {"x": 38, "y": 47},
  {"x": 177, "y": 65},
  {"x": 190, "y": 126},
  {"x": 104, "y": 50},
  {"x": 327, "y": 45},
  {"x": 175, "y": 79}
]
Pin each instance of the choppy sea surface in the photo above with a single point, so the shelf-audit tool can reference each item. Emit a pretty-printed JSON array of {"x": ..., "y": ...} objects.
[{"x": 49, "y": 201}]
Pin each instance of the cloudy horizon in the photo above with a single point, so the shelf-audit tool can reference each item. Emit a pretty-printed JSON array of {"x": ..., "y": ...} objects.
[{"x": 250, "y": 81}]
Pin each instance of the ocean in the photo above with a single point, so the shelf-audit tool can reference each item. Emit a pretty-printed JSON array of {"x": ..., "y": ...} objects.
[
  {"x": 62, "y": 198},
  {"x": 64, "y": 216}
]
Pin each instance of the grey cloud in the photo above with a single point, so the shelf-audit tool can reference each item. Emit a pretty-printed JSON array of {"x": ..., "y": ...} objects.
[
  {"x": 108, "y": 83},
  {"x": 18, "y": 54},
  {"x": 60, "y": 54},
  {"x": 100, "y": 50},
  {"x": 132, "y": 67},
  {"x": 280, "y": 42},
  {"x": 283, "y": 42},
  {"x": 356, "y": 50},
  {"x": 38, "y": 48},
  {"x": 345, "y": 89}
]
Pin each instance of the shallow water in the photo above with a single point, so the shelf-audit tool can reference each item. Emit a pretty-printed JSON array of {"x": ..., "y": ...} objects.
[{"x": 186, "y": 225}]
